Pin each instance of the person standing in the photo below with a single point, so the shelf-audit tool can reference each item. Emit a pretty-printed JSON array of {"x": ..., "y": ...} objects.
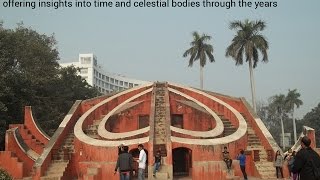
[
  {"x": 242, "y": 158},
  {"x": 157, "y": 163},
  {"x": 124, "y": 164},
  {"x": 287, "y": 158},
  {"x": 142, "y": 162},
  {"x": 290, "y": 162},
  {"x": 307, "y": 161},
  {"x": 278, "y": 163}
]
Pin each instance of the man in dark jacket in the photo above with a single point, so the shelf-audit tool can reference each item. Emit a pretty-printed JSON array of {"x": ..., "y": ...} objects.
[
  {"x": 304, "y": 159},
  {"x": 124, "y": 163}
]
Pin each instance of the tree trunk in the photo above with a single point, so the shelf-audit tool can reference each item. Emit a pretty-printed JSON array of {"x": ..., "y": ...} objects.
[
  {"x": 282, "y": 129},
  {"x": 294, "y": 127},
  {"x": 253, "y": 90},
  {"x": 201, "y": 76}
]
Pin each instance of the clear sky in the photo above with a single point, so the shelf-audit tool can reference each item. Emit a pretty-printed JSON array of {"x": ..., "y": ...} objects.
[{"x": 148, "y": 43}]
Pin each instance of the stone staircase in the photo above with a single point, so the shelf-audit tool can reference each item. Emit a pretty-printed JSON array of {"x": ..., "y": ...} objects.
[
  {"x": 60, "y": 159},
  {"x": 92, "y": 130},
  {"x": 10, "y": 158},
  {"x": 228, "y": 127},
  {"x": 160, "y": 135},
  {"x": 29, "y": 139},
  {"x": 160, "y": 115},
  {"x": 55, "y": 170},
  {"x": 263, "y": 166}
]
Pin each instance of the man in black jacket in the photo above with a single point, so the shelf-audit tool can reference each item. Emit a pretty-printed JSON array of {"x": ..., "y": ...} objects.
[
  {"x": 124, "y": 163},
  {"x": 304, "y": 159}
]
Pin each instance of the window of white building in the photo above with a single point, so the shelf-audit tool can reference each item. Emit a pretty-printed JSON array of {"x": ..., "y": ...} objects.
[
  {"x": 117, "y": 82},
  {"x": 121, "y": 83},
  {"x": 126, "y": 84},
  {"x": 85, "y": 60},
  {"x": 130, "y": 85},
  {"x": 112, "y": 80},
  {"x": 83, "y": 70}
]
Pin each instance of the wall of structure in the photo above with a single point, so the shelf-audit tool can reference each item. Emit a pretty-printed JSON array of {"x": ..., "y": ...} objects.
[{"x": 200, "y": 157}]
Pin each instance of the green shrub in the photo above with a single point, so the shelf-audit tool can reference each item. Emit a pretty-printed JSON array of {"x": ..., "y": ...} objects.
[{"x": 4, "y": 175}]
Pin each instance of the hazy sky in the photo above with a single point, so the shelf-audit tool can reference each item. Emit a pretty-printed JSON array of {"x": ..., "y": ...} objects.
[{"x": 148, "y": 43}]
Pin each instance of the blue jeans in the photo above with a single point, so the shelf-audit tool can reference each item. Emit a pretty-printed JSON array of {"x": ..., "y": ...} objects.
[
  {"x": 140, "y": 174},
  {"x": 124, "y": 176},
  {"x": 156, "y": 167}
]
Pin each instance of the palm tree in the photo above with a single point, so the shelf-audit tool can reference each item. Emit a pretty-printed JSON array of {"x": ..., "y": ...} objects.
[
  {"x": 279, "y": 102},
  {"x": 200, "y": 50},
  {"x": 248, "y": 42},
  {"x": 292, "y": 100}
]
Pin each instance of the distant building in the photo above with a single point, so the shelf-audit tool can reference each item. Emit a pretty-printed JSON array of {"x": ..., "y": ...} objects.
[
  {"x": 96, "y": 76},
  {"x": 287, "y": 140}
]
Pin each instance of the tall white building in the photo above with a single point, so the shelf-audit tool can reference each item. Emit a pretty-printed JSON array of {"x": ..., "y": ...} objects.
[{"x": 97, "y": 77}]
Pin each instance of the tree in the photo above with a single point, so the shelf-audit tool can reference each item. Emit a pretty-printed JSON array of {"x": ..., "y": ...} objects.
[
  {"x": 248, "y": 42},
  {"x": 278, "y": 104},
  {"x": 293, "y": 100},
  {"x": 4, "y": 175},
  {"x": 31, "y": 76},
  {"x": 200, "y": 50},
  {"x": 312, "y": 119}
]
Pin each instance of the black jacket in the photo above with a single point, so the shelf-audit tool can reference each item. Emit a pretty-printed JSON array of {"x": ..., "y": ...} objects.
[
  {"x": 124, "y": 162},
  {"x": 302, "y": 163}
]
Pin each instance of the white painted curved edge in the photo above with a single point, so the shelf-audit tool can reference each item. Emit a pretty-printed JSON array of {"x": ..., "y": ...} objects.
[
  {"x": 240, "y": 132},
  {"x": 105, "y": 143},
  {"x": 30, "y": 153},
  {"x": 297, "y": 146},
  {"x": 211, "y": 133},
  {"x": 36, "y": 126},
  {"x": 80, "y": 135},
  {"x": 109, "y": 135}
]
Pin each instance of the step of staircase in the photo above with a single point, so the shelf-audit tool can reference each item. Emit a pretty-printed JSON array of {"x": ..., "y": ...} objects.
[{"x": 160, "y": 115}]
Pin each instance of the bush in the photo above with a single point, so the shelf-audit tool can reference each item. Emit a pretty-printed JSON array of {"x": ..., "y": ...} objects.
[{"x": 4, "y": 175}]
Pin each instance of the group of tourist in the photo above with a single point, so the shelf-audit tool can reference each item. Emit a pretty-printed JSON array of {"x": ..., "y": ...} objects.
[
  {"x": 303, "y": 165},
  {"x": 125, "y": 163}
]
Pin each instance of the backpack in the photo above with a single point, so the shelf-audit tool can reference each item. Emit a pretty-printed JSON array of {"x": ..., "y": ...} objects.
[
  {"x": 315, "y": 169},
  {"x": 290, "y": 163}
]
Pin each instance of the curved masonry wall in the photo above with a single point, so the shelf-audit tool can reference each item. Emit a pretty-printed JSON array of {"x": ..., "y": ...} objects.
[{"x": 95, "y": 155}]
